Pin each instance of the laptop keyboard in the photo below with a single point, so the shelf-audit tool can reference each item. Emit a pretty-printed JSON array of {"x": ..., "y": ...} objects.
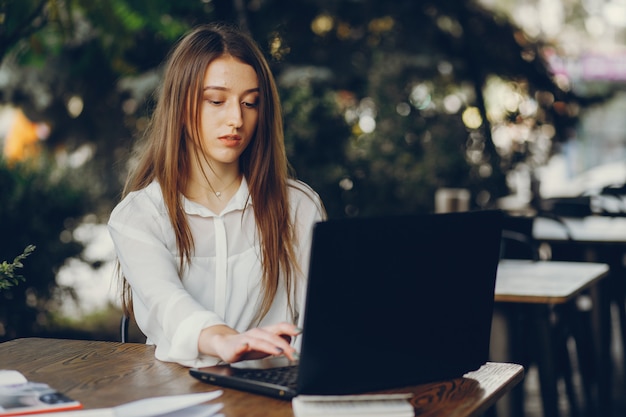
[{"x": 285, "y": 376}]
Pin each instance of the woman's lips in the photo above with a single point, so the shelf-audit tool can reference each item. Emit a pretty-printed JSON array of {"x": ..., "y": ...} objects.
[{"x": 230, "y": 140}]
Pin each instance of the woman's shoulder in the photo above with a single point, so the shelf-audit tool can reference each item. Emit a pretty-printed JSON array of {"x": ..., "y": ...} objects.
[
  {"x": 299, "y": 190},
  {"x": 140, "y": 202},
  {"x": 300, "y": 187},
  {"x": 303, "y": 197}
]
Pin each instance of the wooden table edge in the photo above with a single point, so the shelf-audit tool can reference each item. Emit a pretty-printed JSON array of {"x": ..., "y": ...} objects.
[{"x": 514, "y": 379}]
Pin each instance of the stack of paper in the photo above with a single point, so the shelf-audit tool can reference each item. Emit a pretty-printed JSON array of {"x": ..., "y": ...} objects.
[
  {"x": 375, "y": 405},
  {"x": 184, "y": 405}
]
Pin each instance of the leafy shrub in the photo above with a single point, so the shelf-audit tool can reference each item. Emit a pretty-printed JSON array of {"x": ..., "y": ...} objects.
[
  {"x": 8, "y": 274},
  {"x": 40, "y": 204}
]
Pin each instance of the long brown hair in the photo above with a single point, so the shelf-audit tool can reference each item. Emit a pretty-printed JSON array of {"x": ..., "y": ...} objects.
[{"x": 174, "y": 129}]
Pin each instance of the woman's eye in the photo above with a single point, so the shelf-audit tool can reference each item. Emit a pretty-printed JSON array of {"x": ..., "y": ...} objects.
[
  {"x": 250, "y": 105},
  {"x": 214, "y": 102}
]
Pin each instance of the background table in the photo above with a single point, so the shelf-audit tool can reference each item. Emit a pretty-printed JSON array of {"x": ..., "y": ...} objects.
[
  {"x": 593, "y": 229},
  {"x": 531, "y": 289},
  {"x": 545, "y": 282},
  {"x": 593, "y": 239},
  {"x": 105, "y": 374}
]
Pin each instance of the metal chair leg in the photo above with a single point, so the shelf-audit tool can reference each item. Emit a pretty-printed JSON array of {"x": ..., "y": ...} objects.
[{"x": 124, "y": 328}]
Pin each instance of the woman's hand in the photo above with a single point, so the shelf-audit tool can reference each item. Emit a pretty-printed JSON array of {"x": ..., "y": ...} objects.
[{"x": 230, "y": 346}]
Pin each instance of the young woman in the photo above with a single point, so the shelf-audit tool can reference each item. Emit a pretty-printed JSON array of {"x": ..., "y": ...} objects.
[{"x": 213, "y": 234}]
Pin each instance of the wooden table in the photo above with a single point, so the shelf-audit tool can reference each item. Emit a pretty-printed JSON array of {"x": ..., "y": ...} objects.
[
  {"x": 536, "y": 286},
  {"x": 106, "y": 374}
]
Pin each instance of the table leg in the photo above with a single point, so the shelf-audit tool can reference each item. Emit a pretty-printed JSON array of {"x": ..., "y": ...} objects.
[
  {"x": 509, "y": 344},
  {"x": 540, "y": 315},
  {"x": 621, "y": 308},
  {"x": 617, "y": 279},
  {"x": 516, "y": 336},
  {"x": 601, "y": 317},
  {"x": 580, "y": 323}
]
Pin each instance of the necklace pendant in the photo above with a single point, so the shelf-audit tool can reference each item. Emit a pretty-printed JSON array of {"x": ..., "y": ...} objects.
[{"x": 218, "y": 194}]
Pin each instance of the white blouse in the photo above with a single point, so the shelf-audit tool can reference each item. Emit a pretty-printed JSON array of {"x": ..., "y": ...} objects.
[{"x": 222, "y": 284}]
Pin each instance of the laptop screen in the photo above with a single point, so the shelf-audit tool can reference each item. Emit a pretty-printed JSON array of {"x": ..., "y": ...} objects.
[{"x": 398, "y": 300}]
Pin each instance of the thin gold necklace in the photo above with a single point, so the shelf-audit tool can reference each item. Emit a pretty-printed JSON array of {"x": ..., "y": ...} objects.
[{"x": 218, "y": 194}]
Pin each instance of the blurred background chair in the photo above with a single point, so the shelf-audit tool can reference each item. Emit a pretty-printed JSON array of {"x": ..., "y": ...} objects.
[
  {"x": 129, "y": 332},
  {"x": 124, "y": 323}
]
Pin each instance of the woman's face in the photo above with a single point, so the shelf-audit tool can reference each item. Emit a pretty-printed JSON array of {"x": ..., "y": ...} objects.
[{"x": 229, "y": 109}]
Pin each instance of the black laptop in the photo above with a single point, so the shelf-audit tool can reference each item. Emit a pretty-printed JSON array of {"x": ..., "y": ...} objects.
[{"x": 391, "y": 302}]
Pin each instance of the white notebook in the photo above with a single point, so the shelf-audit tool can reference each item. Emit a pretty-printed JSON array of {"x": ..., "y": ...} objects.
[{"x": 376, "y": 405}]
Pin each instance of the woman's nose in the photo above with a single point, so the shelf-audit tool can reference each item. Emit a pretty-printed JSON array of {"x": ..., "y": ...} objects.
[{"x": 234, "y": 114}]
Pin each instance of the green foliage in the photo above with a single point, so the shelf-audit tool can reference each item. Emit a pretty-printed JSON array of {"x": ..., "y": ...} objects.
[
  {"x": 8, "y": 274},
  {"x": 47, "y": 27},
  {"x": 40, "y": 204},
  {"x": 315, "y": 137},
  {"x": 108, "y": 53}
]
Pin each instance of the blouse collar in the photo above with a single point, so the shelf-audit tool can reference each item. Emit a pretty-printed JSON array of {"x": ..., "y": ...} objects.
[{"x": 239, "y": 201}]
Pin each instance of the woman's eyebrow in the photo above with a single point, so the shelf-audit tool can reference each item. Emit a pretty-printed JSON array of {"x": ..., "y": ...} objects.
[{"x": 212, "y": 87}]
